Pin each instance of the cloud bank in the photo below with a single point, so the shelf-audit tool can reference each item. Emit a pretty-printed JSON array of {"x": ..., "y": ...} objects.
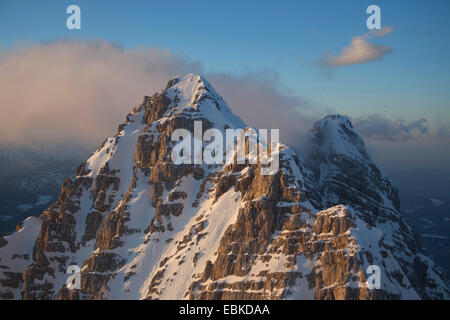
[
  {"x": 256, "y": 99},
  {"x": 377, "y": 127},
  {"x": 75, "y": 93}
]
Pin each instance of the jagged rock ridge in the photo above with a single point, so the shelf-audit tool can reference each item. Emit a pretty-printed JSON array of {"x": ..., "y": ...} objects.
[{"x": 141, "y": 227}]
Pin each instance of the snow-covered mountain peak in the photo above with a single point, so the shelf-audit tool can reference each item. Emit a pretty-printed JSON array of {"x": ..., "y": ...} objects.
[
  {"x": 140, "y": 226},
  {"x": 344, "y": 168},
  {"x": 189, "y": 86},
  {"x": 193, "y": 93},
  {"x": 334, "y": 135}
]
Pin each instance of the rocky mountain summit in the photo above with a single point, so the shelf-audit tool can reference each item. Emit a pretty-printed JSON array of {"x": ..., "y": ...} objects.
[{"x": 141, "y": 227}]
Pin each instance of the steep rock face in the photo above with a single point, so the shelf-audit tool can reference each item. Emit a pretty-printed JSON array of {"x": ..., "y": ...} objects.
[
  {"x": 141, "y": 227},
  {"x": 347, "y": 175},
  {"x": 344, "y": 169}
]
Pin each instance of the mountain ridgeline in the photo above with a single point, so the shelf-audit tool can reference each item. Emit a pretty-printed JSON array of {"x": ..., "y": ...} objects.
[{"x": 141, "y": 227}]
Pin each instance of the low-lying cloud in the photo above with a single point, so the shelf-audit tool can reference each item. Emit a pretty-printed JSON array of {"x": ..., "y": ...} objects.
[
  {"x": 378, "y": 127},
  {"x": 255, "y": 98},
  {"x": 75, "y": 93}
]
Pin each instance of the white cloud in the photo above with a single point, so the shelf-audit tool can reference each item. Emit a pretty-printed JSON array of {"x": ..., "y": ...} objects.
[{"x": 360, "y": 51}]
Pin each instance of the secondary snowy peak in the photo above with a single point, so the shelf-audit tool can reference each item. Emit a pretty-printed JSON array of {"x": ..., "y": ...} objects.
[
  {"x": 346, "y": 174},
  {"x": 334, "y": 135},
  {"x": 142, "y": 227},
  {"x": 344, "y": 170}
]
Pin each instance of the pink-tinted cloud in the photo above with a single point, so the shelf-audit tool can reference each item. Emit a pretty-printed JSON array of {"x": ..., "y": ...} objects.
[
  {"x": 76, "y": 91},
  {"x": 69, "y": 93},
  {"x": 360, "y": 50}
]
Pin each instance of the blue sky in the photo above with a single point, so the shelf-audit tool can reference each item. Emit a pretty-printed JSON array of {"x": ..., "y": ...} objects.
[{"x": 286, "y": 38}]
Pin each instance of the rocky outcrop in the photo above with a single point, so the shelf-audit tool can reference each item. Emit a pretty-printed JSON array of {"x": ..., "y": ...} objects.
[{"x": 142, "y": 227}]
